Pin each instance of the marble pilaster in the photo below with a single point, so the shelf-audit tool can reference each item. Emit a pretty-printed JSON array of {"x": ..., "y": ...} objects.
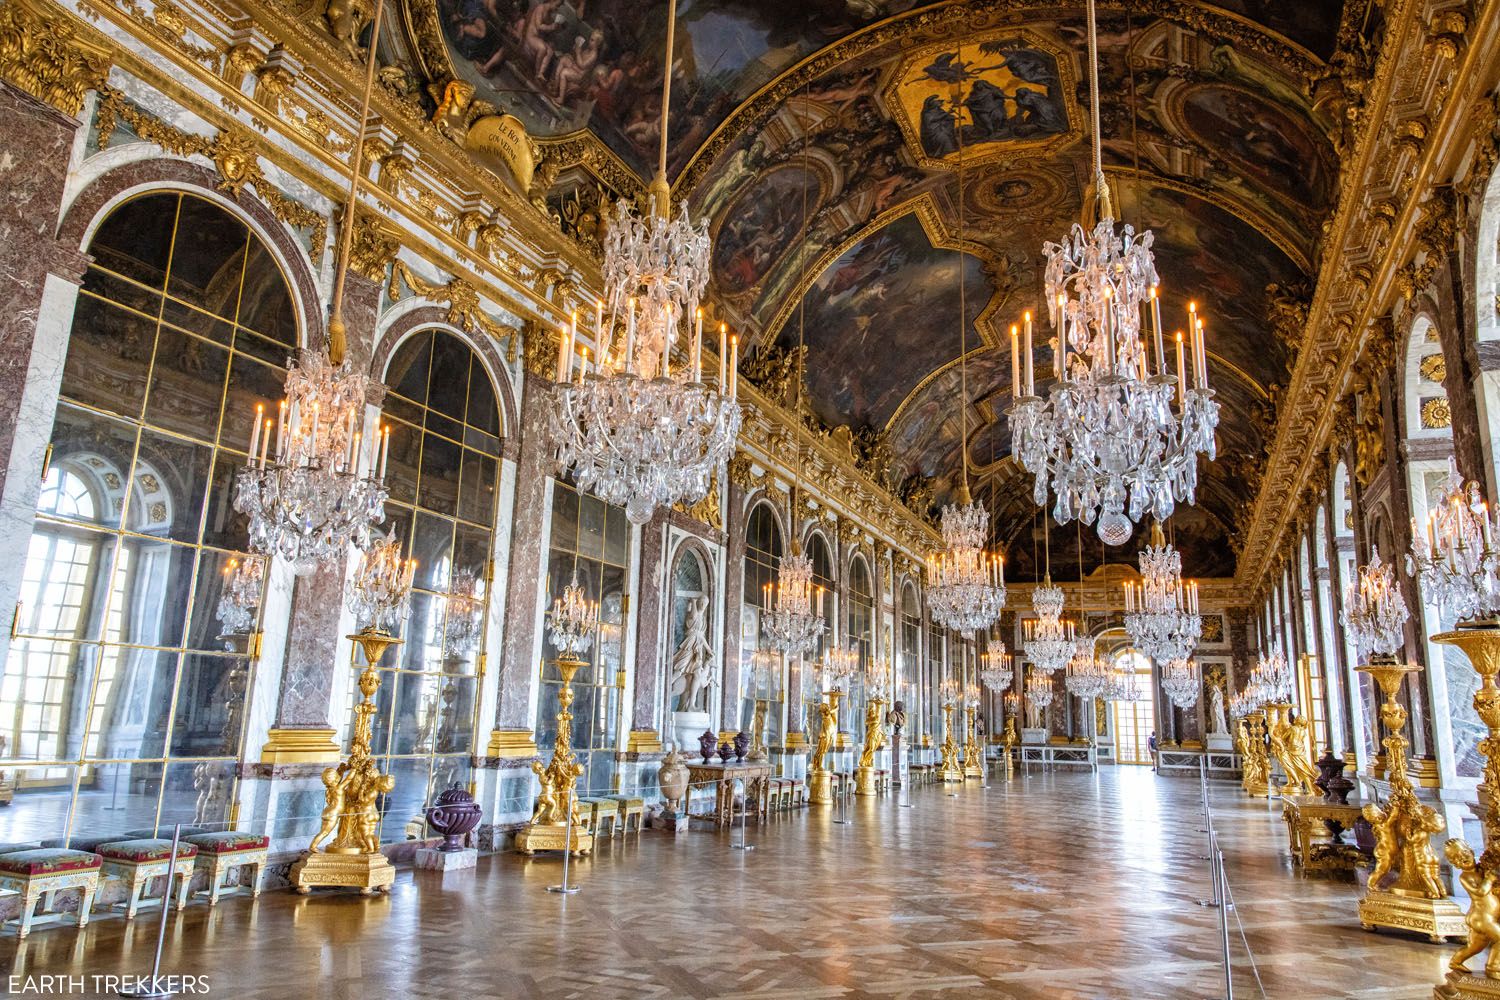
[
  {"x": 39, "y": 277},
  {"x": 735, "y": 516},
  {"x": 646, "y": 694}
]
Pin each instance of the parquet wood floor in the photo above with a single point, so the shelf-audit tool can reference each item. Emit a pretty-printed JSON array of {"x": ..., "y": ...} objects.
[{"x": 1047, "y": 887}]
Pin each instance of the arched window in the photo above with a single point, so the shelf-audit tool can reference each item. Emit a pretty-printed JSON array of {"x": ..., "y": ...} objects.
[
  {"x": 859, "y": 636},
  {"x": 1135, "y": 721},
  {"x": 590, "y": 543},
  {"x": 118, "y": 689},
  {"x": 911, "y": 656},
  {"x": 763, "y": 548},
  {"x": 442, "y": 475}
]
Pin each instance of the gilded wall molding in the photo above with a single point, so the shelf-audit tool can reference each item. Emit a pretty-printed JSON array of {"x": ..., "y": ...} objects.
[
  {"x": 44, "y": 54},
  {"x": 462, "y": 300}
]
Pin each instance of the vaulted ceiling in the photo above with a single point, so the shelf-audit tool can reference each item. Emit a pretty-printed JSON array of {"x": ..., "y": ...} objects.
[{"x": 817, "y": 139}]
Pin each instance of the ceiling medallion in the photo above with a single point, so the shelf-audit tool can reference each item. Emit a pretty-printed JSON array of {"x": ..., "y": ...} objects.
[
  {"x": 632, "y": 428},
  {"x": 1106, "y": 441}
]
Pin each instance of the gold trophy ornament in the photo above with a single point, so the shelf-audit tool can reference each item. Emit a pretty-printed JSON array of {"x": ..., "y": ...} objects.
[
  {"x": 949, "y": 769},
  {"x": 380, "y": 596},
  {"x": 973, "y": 752},
  {"x": 555, "y": 825}
]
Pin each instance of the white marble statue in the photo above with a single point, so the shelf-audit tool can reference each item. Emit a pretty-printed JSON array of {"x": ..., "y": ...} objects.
[
  {"x": 1034, "y": 715},
  {"x": 692, "y": 661},
  {"x": 1217, "y": 724}
]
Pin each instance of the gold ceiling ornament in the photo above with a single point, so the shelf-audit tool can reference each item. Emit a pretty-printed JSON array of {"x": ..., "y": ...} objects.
[
  {"x": 706, "y": 511},
  {"x": 1434, "y": 368},
  {"x": 462, "y": 299},
  {"x": 374, "y": 247},
  {"x": 1437, "y": 413},
  {"x": 233, "y": 152},
  {"x": 539, "y": 347},
  {"x": 43, "y": 53}
]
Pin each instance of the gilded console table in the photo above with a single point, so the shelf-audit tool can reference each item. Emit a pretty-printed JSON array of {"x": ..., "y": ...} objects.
[
  {"x": 1307, "y": 818},
  {"x": 755, "y": 775}
]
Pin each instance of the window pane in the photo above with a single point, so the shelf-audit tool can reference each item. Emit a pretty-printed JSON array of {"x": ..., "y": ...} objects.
[
  {"x": 136, "y": 238},
  {"x": 210, "y": 698},
  {"x": 132, "y": 700},
  {"x": 187, "y": 385},
  {"x": 109, "y": 357},
  {"x": 171, "y": 481},
  {"x": 208, "y": 258},
  {"x": 439, "y": 487}
]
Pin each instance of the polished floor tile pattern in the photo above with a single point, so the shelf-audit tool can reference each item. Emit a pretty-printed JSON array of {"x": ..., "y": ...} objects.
[{"x": 1047, "y": 887}]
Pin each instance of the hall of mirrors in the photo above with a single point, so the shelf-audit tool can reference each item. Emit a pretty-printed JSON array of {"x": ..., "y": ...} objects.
[{"x": 440, "y": 442}]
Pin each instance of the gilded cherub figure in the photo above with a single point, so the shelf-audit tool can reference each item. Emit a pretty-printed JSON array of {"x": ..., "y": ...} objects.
[
  {"x": 1483, "y": 918},
  {"x": 336, "y": 783},
  {"x": 828, "y": 726}
]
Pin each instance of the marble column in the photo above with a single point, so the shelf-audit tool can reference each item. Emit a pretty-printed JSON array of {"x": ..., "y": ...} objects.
[
  {"x": 513, "y": 735},
  {"x": 645, "y": 736},
  {"x": 40, "y": 278}
]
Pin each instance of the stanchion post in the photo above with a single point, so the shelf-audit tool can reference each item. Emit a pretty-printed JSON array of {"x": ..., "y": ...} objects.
[
  {"x": 565, "y": 888},
  {"x": 154, "y": 989},
  {"x": 1221, "y": 889},
  {"x": 744, "y": 818},
  {"x": 905, "y": 801}
]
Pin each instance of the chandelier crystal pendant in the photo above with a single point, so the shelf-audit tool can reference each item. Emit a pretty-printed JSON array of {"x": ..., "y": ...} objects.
[
  {"x": 966, "y": 584},
  {"x": 1106, "y": 441},
  {"x": 1087, "y": 675},
  {"x": 636, "y": 428},
  {"x": 1456, "y": 559},
  {"x": 1047, "y": 639},
  {"x": 838, "y": 666},
  {"x": 996, "y": 667},
  {"x": 1039, "y": 689},
  {"x": 573, "y": 620},
  {"x": 1122, "y": 684},
  {"x": 1161, "y": 612},
  {"x": 243, "y": 578},
  {"x": 1179, "y": 680},
  {"x": 464, "y": 629},
  {"x": 1270, "y": 680}
]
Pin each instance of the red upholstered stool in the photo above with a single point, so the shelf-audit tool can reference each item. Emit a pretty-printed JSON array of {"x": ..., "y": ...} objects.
[
  {"x": 220, "y": 853},
  {"x": 137, "y": 862},
  {"x": 41, "y": 873}
]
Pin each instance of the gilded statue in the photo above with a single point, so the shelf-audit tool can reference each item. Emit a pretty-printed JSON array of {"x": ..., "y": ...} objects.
[
  {"x": 346, "y": 22},
  {"x": 1288, "y": 740},
  {"x": 556, "y": 780},
  {"x": 828, "y": 726},
  {"x": 874, "y": 733},
  {"x": 1483, "y": 919},
  {"x": 1402, "y": 828}
]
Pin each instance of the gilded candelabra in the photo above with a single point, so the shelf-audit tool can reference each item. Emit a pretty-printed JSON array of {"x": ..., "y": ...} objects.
[
  {"x": 554, "y": 822},
  {"x": 950, "y": 769},
  {"x": 1288, "y": 742},
  {"x": 351, "y": 816},
  {"x": 864, "y": 775},
  {"x": 973, "y": 753},
  {"x": 1008, "y": 741},
  {"x": 1415, "y": 899},
  {"x": 1480, "y": 877},
  {"x": 1255, "y": 762},
  {"x": 819, "y": 778}
]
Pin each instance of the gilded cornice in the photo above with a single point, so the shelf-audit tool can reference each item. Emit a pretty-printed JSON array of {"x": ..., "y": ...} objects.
[
  {"x": 1357, "y": 281},
  {"x": 48, "y": 58},
  {"x": 966, "y": 16},
  {"x": 463, "y": 305}
]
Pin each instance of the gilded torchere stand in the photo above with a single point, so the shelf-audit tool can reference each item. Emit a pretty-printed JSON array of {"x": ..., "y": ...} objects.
[
  {"x": 1480, "y": 877},
  {"x": 554, "y": 822},
  {"x": 1008, "y": 742},
  {"x": 1415, "y": 899},
  {"x": 1255, "y": 762},
  {"x": 819, "y": 778},
  {"x": 950, "y": 769},
  {"x": 864, "y": 775},
  {"x": 350, "y": 814},
  {"x": 973, "y": 753}
]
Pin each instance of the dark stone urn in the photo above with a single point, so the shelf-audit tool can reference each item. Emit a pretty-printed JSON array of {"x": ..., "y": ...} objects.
[
  {"x": 454, "y": 815},
  {"x": 1328, "y": 765},
  {"x": 726, "y": 751},
  {"x": 741, "y": 745},
  {"x": 707, "y": 744},
  {"x": 1339, "y": 787}
]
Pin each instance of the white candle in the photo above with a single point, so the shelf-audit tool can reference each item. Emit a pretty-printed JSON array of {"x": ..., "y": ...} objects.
[
  {"x": 1202, "y": 359},
  {"x": 255, "y": 434},
  {"x": 1161, "y": 360},
  {"x": 1180, "y": 384},
  {"x": 1030, "y": 380},
  {"x": 583, "y": 368},
  {"x": 385, "y": 450},
  {"x": 359, "y": 457},
  {"x": 265, "y": 442},
  {"x": 565, "y": 358},
  {"x": 723, "y": 353},
  {"x": 1015, "y": 362},
  {"x": 599, "y": 321},
  {"x": 734, "y": 367},
  {"x": 698, "y": 348}
]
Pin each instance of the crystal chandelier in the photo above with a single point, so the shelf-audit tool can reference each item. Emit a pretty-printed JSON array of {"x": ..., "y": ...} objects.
[
  {"x": 322, "y": 492},
  {"x": 971, "y": 696},
  {"x": 1271, "y": 680},
  {"x": 997, "y": 669},
  {"x": 1047, "y": 639},
  {"x": 1122, "y": 684},
  {"x": 765, "y": 673},
  {"x": 635, "y": 430},
  {"x": 573, "y": 620},
  {"x": 1161, "y": 612},
  {"x": 795, "y": 620},
  {"x": 380, "y": 593},
  {"x": 1456, "y": 561},
  {"x": 322, "y": 489},
  {"x": 1374, "y": 610},
  {"x": 1039, "y": 689},
  {"x": 838, "y": 666},
  {"x": 966, "y": 584},
  {"x": 1106, "y": 441},
  {"x": 1242, "y": 704},
  {"x": 464, "y": 629},
  {"x": 1179, "y": 679},
  {"x": 1087, "y": 675},
  {"x": 240, "y": 597},
  {"x": 877, "y": 679},
  {"x": 950, "y": 693}
]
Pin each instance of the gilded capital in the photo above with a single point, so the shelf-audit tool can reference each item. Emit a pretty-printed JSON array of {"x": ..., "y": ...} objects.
[{"x": 42, "y": 54}]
